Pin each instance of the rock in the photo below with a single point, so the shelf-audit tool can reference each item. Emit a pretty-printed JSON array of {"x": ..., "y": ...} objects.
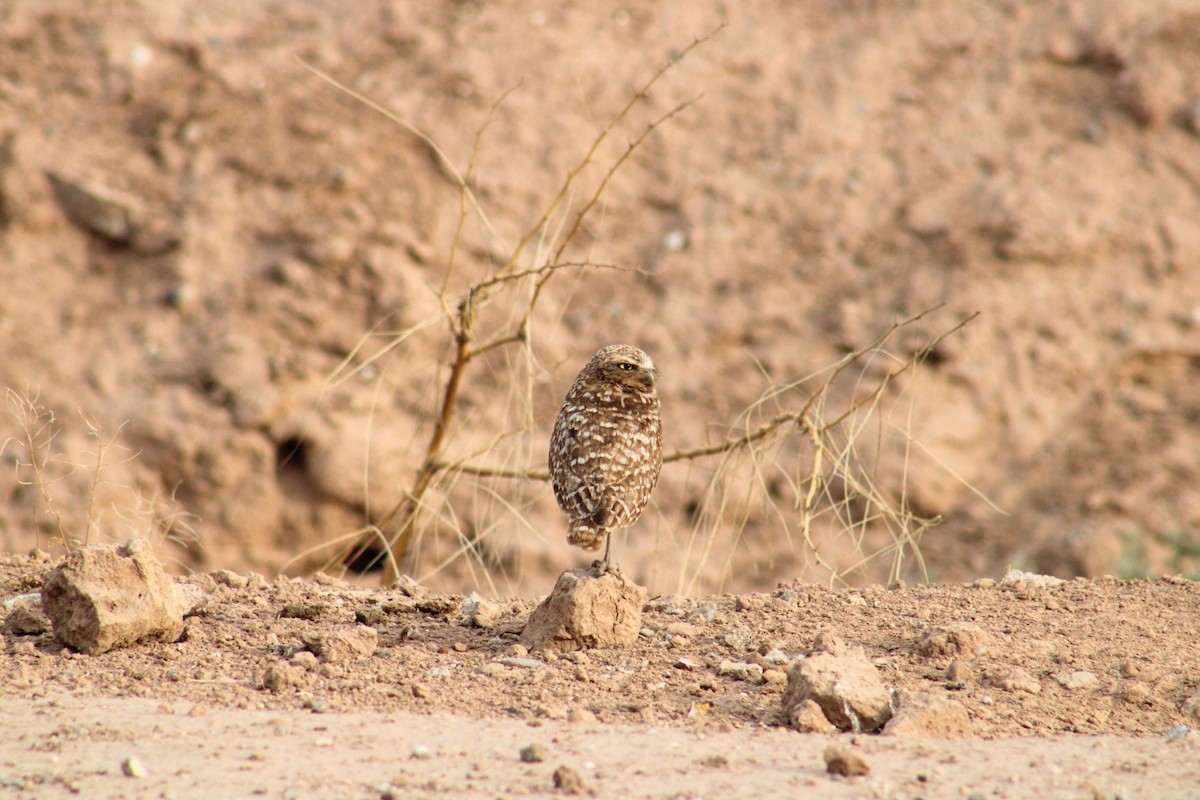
[
  {"x": 807, "y": 717},
  {"x": 438, "y": 605},
  {"x": 738, "y": 639},
  {"x": 584, "y": 612},
  {"x": 133, "y": 767},
  {"x": 1018, "y": 680},
  {"x": 1080, "y": 680},
  {"x": 752, "y": 673},
  {"x": 957, "y": 639},
  {"x": 1015, "y": 576},
  {"x": 682, "y": 629},
  {"x": 408, "y": 586},
  {"x": 959, "y": 673},
  {"x": 230, "y": 579},
  {"x": 105, "y": 212},
  {"x": 842, "y": 759},
  {"x": 281, "y": 677},
  {"x": 831, "y": 643},
  {"x": 105, "y": 596},
  {"x": 1135, "y": 693},
  {"x": 583, "y": 715},
  {"x": 749, "y": 602},
  {"x": 929, "y": 716},
  {"x": 479, "y": 612},
  {"x": 847, "y": 688},
  {"x": 347, "y": 644},
  {"x": 533, "y": 753},
  {"x": 568, "y": 781},
  {"x": 27, "y": 619}
]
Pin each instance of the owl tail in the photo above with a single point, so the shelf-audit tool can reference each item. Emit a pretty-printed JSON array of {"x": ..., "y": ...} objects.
[{"x": 587, "y": 535}]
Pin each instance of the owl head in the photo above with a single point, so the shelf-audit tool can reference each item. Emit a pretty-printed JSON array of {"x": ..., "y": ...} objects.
[{"x": 624, "y": 365}]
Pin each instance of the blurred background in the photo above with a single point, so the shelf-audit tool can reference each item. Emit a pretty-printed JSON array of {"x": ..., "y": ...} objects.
[{"x": 229, "y": 286}]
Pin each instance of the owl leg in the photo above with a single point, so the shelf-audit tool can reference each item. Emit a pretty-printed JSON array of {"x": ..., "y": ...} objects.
[{"x": 604, "y": 566}]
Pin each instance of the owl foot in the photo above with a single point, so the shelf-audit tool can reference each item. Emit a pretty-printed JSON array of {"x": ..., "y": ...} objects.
[{"x": 602, "y": 567}]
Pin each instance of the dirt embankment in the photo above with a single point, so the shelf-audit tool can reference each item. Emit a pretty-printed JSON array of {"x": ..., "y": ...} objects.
[{"x": 841, "y": 168}]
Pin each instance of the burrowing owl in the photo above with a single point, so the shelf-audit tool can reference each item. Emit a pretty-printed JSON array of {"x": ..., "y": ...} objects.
[{"x": 606, "y": 449}]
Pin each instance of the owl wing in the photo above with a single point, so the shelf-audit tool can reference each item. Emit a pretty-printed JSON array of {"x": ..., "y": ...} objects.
[{"x": 597, "y": 464}]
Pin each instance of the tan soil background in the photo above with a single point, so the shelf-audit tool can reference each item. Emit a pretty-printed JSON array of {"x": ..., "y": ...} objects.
[{"x": 845, "y": 165}]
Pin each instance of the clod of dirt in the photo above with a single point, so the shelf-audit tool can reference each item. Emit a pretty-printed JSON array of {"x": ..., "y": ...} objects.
[
  {"x": 842, "y": 759},
  {"x": 1079, "y": 680},
  {"x": 408, "y": 586},
  {"x": 568, "y": 781},
  {"x": 930, "y": 716},
  {"x": 1135, "y": 692},
  {"x": 751, "y": 673},
  {"x": 105, "y": 596},
  {"x": 479, "y": 612},
  {"x": 959, "y": 673},
  {"x": 957, "y": 639},
  {"x": 584, "y": 612},
  {"x": 280, "y": 678},
  {"x": 1018, "y": 680},
  {"x": 26, "y": 619},
  {"x": 346, "y": 644},
  {"x": 826, "y": 642},
  {"x": 807, "y": 717},
  {"x": 846, "y": 687}
]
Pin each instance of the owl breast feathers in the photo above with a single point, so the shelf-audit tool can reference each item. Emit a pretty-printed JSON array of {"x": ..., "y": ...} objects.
[{"x": 606, "y": 448}]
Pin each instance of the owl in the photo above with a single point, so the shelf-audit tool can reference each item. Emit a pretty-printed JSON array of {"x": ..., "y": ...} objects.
[{"x": 606, "y": 448}]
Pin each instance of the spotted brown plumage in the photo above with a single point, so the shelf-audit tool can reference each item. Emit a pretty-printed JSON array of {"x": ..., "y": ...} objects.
[{"x": 606, "y": 448}]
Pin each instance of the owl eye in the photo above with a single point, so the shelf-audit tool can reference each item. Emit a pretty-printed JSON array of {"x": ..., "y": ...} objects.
[{"x": 626, "y": 366}]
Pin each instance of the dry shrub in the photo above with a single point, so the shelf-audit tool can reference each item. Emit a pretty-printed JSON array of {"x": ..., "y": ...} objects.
[{"x": 802, "y": 460}]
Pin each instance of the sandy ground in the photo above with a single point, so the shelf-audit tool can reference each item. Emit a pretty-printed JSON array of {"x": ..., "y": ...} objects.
[
  {"x": 64, "y": 746},
  {"x": 1072, "y": 689}
]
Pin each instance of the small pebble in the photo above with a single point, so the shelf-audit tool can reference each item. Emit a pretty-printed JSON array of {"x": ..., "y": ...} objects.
[
  {"x": 841, "y": 759},
  {"x": 533, "y": 753},
  {"x": 1178, "y": 732},
  {"x": 567, "y": 780},
  {"x": 133, "y": 767},
  {"x": 580, "y": 715}
]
